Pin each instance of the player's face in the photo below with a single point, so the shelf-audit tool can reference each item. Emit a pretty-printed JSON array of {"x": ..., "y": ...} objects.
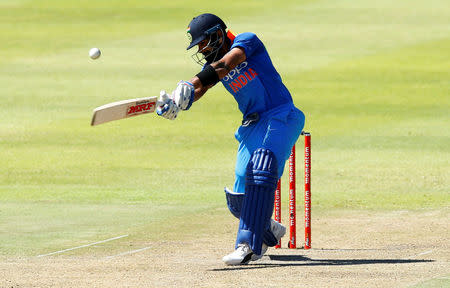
[
  {"x": 209, "y": 49},
  {"x": 204, "y": 48}
]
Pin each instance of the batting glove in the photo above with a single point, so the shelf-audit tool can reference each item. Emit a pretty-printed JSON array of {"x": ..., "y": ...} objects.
[
  {"x": 166, "y": 106},
  {"x": 184, "y": 95}
]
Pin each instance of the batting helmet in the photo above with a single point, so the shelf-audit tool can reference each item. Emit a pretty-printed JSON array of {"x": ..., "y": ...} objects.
[{"x": 203, "y": 26}]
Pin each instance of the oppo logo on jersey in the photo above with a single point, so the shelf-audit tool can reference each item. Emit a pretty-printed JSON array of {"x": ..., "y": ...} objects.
[{"x": 240, "y": 78}]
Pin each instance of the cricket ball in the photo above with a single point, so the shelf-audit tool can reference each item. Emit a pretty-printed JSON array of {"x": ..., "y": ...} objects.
[{"x": 94, "y": 53}]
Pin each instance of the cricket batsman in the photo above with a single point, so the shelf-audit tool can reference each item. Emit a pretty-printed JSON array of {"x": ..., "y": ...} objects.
[{"x": 270, "y": 127}]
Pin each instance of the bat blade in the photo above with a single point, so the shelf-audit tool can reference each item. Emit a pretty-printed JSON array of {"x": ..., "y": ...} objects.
[{"x": 123, "y": 109}]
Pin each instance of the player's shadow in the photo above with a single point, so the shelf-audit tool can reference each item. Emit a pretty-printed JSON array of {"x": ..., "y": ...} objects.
[{"x": 298, "y": 260}]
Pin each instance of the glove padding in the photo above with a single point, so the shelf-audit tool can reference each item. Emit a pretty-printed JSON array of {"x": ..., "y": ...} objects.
[
  {"x": 166, "y": 106},
  {"x": 184, "y": 95}
]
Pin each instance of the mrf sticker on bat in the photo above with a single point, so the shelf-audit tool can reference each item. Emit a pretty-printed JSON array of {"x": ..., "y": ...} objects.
[{"x": 141, "y": 107}]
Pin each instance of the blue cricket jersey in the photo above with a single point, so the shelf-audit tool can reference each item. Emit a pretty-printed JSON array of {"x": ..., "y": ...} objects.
[{"x": 255, "y": 83}]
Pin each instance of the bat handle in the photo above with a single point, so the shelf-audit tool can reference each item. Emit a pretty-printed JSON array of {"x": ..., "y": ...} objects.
[{"x": 163, "y": 97}]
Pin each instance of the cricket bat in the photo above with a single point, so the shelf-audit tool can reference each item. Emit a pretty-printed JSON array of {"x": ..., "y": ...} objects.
[{"x": 124, "y": 109}]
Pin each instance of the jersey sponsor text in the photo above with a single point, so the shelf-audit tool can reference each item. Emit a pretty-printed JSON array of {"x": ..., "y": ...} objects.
[{"x": 239, "y": 78}]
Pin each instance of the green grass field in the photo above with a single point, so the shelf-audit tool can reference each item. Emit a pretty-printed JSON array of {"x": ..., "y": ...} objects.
[{"x": 373, "y": 79}]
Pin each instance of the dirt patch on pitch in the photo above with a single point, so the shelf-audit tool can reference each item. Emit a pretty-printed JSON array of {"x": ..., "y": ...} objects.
[{"x": 350, "y": 249}]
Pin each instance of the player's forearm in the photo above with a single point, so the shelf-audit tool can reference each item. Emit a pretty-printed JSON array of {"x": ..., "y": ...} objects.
[
  {"x": 200, "y": 90},
  {"x": 221, "y": 68},
  {"x": 229, "y": 62}
]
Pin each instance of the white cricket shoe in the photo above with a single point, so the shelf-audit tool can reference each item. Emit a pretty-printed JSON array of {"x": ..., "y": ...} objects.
[
  {"x": 278, "y": 231},
  {"x": 240, "y": 256}
]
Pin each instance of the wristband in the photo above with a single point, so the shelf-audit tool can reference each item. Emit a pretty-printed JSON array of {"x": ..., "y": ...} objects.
[{"x": 208, "y": 76}]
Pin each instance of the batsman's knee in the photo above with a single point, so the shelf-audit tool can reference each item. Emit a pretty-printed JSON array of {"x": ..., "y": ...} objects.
[{"x": 262, "y": 169}]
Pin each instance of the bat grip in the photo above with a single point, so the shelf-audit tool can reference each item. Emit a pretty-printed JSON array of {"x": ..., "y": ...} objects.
[{"x": 163, "y": 97}]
